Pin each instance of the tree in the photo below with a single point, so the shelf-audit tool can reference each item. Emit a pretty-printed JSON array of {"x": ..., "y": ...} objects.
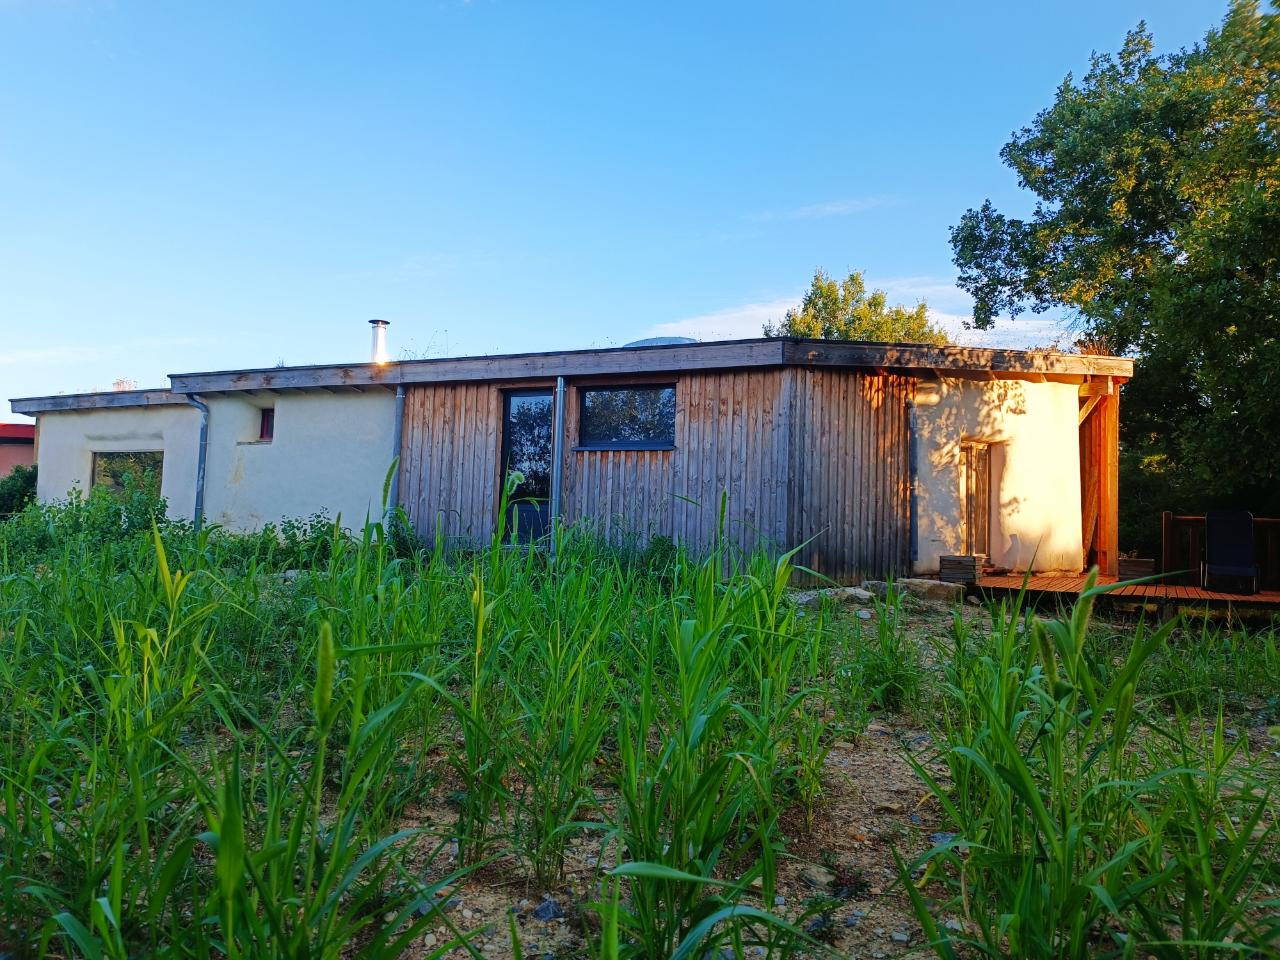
[
  {"x": 1157, "y": 222},
  {"x": 845, "y": 311}
]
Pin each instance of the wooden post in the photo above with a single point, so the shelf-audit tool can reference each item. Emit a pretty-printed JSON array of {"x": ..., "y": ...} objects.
[
  {"x": 1109, "y": 488},
  {"x": 1167, "y": 560}
]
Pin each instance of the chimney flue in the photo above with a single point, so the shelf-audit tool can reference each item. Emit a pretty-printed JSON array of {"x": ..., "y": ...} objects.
[{"x": 378, "y": 353}]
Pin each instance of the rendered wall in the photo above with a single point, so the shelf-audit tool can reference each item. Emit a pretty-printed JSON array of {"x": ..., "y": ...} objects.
[
  {"x": 1035, "y": 471},
  {"x": 15, "y": 455},
  {"x": 69, "y": 439},
  {"x": 330, "y": 453}
]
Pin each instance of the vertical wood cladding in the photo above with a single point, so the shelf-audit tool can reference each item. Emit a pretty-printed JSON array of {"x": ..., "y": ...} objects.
[
  {"x": 849, "y": 470},
  {"x": 449, "y": 459},
  {"x": 816, "y": 455}
]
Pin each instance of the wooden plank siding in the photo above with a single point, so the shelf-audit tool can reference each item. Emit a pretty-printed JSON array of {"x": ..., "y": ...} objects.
[
  {"x": 449, "y": 459},
  {"x": 817, "y": 455},
  {"x": 850, "y": 473}
]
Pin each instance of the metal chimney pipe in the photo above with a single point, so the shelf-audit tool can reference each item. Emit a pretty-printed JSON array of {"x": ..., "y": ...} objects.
[{"x": 378, "y": 353}]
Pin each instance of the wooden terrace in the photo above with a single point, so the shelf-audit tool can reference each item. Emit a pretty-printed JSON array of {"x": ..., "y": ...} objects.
[{"x": 1066, "y": 588}]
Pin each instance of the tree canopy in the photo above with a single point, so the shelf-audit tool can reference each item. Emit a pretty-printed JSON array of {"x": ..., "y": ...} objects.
[
  {"x": 1156, "y": 220},
  {"x": 844, "y": 310}
]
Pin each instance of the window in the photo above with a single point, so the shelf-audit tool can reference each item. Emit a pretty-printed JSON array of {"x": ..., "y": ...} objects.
[
  {"x": 628, "y": 418},
  {"x": 267, "y": 424},
  {"x": 138, "y": 469}
]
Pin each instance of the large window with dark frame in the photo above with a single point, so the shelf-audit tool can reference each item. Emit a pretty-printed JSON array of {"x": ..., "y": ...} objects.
[{"x": 628, "y": 418}]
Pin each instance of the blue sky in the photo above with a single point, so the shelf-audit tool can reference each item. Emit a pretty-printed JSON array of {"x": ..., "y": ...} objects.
[{"x": 194, "y": 187}]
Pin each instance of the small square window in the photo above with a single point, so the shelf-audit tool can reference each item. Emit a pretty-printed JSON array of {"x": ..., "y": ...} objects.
[
  {"x": 628, "y": 418},
  {"x": 267, "y": 424}
]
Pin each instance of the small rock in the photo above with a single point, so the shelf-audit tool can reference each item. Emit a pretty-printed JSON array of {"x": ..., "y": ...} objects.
[
  {"x": 899, "y": 937},
  {"x": 888, "y": 807},
  {"x": 878, "y": 931},
  {"x": 467, "y": 914},
  {"x": 779, "y": 900},
  {"x": 548, "y": 910},
  {"x": 973, "y": 600},
  {"x": 864, "y": 614},
  {"x": 953, "y": 924},
  {"x": 931, "y": 589},
  {"x": 820, "y": 878},
  {"x": 941, "y": 837},
  {"x": 429, "y": 940},
  {"x": 854, "y": 918}
]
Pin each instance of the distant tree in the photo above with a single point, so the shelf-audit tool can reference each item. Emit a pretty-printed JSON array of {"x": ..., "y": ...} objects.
[
  {"x": 844, "y": 310},
  {"x": 1157, "y": 221}
]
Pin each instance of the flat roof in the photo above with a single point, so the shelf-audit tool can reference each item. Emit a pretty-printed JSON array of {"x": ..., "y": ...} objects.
[
  {"x": 101, "y": 400},
  {"x": 17, "y": 433},
  {"x": 617, "y": 361}
]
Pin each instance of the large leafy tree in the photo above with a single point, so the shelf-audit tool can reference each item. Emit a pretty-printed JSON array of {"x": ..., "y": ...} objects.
[
  {"x": 1157, "y": 221},
  {"x": 845, "y": 310}
]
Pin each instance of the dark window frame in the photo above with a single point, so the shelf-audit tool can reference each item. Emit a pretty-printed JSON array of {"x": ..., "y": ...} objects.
[
  {"x": 586, "y": 445},
  {"x": 266, "y": 424}
]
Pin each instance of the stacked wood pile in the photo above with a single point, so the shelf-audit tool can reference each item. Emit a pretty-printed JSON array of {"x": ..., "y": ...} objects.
[{"x": 960, "y": 569}]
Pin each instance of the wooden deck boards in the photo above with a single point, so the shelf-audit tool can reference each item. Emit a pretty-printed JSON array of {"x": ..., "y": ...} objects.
[{"x": 1155, "y": 591}]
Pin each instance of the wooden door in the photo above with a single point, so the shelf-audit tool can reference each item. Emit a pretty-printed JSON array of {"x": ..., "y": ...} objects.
[{"x": 975, "y": 468}]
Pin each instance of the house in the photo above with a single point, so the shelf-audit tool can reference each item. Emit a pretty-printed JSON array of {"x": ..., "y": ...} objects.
[
  {"x": 878, "y": 458},
  {"x": 17, "y": 446}
]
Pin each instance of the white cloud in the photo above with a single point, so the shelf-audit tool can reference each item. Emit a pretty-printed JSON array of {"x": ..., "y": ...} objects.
[
  {"x": 818, "y": 211},
  {"x": 953, "y": 311},
  {"x": 731, "y": 323}
]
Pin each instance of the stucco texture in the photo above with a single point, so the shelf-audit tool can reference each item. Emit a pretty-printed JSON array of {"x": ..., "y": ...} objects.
[
  {"x": 1035, "y": 471},
  {"x": 330, "y": 453},
  {"x": 69, "y": 439}
]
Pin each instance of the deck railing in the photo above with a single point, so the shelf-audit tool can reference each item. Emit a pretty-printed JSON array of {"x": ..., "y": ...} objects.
[{"x": 1183, "y": 549}]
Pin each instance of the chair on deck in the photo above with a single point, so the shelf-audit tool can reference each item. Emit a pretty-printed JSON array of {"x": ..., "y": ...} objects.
[{"x": 1228, "y": 548}]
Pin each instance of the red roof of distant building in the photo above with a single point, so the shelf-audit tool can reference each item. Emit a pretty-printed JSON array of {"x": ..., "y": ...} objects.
[{"x": 18, "y": 431}]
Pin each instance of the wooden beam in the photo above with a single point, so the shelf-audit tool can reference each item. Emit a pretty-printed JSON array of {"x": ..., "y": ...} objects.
[
  {"x": 1088, "y": 408},
  {"x": 675, "y": 358},
  {"x": 912, "y": 356},
  {"x": 1101, "y": 387},
  {"x": 96, "y": 401}
]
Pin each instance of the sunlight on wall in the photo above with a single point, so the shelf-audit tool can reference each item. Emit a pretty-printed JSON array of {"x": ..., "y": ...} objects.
[{"x": 1035, "y": 472}]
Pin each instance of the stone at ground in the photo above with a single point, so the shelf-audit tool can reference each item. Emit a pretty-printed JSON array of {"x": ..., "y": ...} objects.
[
  {"x": 864, "y": 614},
  {"x": 834, "y": 594},
  {"x": 818, "y": 877},
  {"x": 548, "y": 910},
  {"x": 899, "y": 937},
  {"x": 919, "y": 587}
]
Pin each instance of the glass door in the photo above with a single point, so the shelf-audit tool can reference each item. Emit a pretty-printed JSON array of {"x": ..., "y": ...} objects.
[{"x": 526, "y": 450}]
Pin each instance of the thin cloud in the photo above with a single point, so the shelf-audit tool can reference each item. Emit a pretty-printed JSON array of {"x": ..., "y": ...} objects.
[
  {"x": 820, "y": 211},
  {"x": 731, "y": 323}
]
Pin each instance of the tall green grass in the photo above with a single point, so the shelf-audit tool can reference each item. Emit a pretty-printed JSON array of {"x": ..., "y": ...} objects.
[
  {"x": 1087, "y": 823},
  {"x": 301, "y": 743}
]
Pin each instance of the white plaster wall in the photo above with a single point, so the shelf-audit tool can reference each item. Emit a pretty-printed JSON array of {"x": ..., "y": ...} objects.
[
  {"x": 1035, "y": 471},
  {"x": 330, "y": 453},
  {"x": 70, "y": 438}
]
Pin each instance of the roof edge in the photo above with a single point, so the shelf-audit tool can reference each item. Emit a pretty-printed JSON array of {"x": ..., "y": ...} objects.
[
  {"x": 99, "y": 400},
  {"x": 657, "y": 358}
]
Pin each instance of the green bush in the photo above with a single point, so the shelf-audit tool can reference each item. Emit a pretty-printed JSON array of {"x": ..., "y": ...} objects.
[{"x": 17, "y": 490}]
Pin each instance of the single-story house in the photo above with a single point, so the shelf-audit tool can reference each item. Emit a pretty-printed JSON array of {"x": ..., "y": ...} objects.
[
  {"x": 17, "y": 446},
  {"x": 878, "y": 458}
]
